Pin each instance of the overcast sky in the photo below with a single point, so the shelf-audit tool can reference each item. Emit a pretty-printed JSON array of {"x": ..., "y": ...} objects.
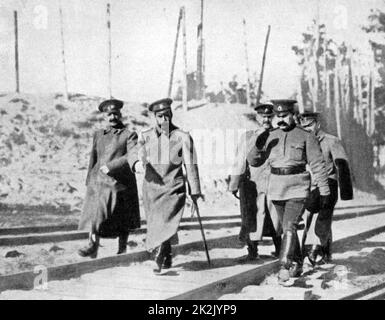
[{"x": 143, "y": 33}]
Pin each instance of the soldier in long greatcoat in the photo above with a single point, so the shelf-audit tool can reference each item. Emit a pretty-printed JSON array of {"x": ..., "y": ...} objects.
[
  {"x": 111, "y": 206},
  {"x": 318, "y": 234},
  {"x": 165, "y": 150},
  {"x": 258, "y": 215}
]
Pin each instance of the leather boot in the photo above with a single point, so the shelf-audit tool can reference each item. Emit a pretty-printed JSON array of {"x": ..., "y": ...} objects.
[
  {"x": 160, "y": 255},
  {"x": 252, "y": 248},
  {"x": 314, "y": 252},
  {"x": 91, "y": 250},
  {"x": 327, "y": 252},
  {"x": 297, "y": 266},
  {"x": 122, "y": 243},
  {"x": 167, "y": 263},
  {"x": 277, "y": 240},
  {"x": 286, "y": 256}
]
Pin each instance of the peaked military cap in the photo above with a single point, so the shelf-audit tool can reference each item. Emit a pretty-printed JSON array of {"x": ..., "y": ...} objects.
[
  {"x": 160, "y": 105},
  {"x": 265, "y": 109},
  {"x": 110, "y": 105},
  {"x": 309, "y": 113},
  {"x": 284, "y": 105},
  {"x": 308, "y": 117}
]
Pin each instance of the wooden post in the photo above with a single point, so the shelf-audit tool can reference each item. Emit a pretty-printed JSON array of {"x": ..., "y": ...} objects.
[
  {"x": 63, "y": 52},
  {"x": 174, "y": 54},
  {"x": 360, "y": 100},
  {"x": 354, "y": 87},
  {"x": 372, "y": 101},
  {"x": 247, "y": 64},
  {"x": 185, "y": 83},
  {"x": 315, "y": 49},
  {"x": 16, "y": 52},
  {"x": 327, "y": 89},
  {"x": 369, "y": 117},
  {"x": 109, "y": 50},
  {"x": 337, "y": 101},
  {"x": 326, "y": 76},
  {"x": 309, "y": 68},
  {"x": 371, "y": 106},
  {"x": 200, "y": 75},
  {"x": 346, "y": 88},
  {"x": 259, "y": 92},
  {"x": 299, "y": 96}
]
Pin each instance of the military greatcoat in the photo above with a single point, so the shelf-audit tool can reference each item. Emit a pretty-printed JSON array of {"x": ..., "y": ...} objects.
[
  {"x": 165, "y": 155},
  {"x": 319, "y": 220},
  {"x": 111, "y": 206}
]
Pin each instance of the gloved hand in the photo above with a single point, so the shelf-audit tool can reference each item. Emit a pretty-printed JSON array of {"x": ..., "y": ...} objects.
[
  {"x": 262, "y": 138},
  {"x": 326, "y": 202}
]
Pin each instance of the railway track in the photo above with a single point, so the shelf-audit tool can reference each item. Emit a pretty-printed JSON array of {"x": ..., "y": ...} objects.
[
  {"x": 120, "y": 277},
  {"x": 45, "y": 234},
  {"x": 236, "y": 283},
  {"x": 376, "y": 292},
  {"x": 59, "y": 233}
]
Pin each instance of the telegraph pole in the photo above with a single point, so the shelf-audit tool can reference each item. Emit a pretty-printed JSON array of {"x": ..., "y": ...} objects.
[
  {"x": 337, "y": 98},
  {"x": 109, "y": 49},
  {"x": 200, "y": 73},
  {"x": 16, "y": 52},
  {"x": 184, "y": 82},
  {"x": 175, "y": 52},
  {"x": 63, "y": 50},
  {"x": 259, "y": 93},
  {"x": 247, "y": 64}
]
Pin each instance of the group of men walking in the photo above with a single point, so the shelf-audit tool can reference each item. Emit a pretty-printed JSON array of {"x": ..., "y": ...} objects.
[
  {"x": 161, "y": 153},
  {"x": 279, "y": 172}
]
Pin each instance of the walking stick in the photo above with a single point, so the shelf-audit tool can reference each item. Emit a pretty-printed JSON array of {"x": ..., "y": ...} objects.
[{"x": 195, "y": 207}]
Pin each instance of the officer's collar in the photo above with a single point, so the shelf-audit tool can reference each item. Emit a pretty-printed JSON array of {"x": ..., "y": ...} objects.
[{"x": 116, "y": 130}]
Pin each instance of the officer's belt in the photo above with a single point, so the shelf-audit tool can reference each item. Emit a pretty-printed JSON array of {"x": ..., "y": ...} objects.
[{"x": 287, "y": 171}]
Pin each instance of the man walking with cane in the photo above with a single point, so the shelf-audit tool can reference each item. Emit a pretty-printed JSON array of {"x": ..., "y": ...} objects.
[{"x": 164, "y": 151}]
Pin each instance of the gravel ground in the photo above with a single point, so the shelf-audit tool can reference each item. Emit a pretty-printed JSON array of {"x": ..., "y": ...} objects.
[
  {"x": 54, "y": 254},
  {"x": 355, "y": 266}
]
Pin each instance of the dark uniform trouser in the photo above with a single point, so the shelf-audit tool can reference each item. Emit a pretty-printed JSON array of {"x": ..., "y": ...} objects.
[
  {"x": 290, "y": 212},
  {"x": 322, "y": 227},
  {"x": 248, "y": 196},
  {"x": 165, "y": 248}
]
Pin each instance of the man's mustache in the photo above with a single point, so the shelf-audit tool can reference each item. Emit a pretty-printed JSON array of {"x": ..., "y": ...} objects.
[{"x": 282, "y": 123}]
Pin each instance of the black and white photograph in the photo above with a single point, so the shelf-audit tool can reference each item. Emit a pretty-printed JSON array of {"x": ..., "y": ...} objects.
[{"x": 192, "y": 150}]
